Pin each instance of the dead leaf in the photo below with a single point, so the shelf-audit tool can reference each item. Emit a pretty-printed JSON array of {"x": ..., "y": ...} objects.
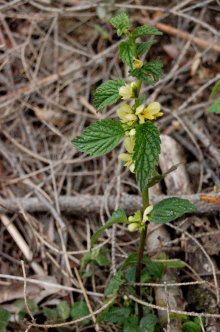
[
  {"x": 56, "y": 118},
  {"x": 35, "y": 292}
]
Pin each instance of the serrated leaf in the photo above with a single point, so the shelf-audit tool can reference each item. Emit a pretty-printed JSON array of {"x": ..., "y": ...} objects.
[
  {"x": 145, "y": 46},
  {"x": 115, "y": 315},
  {"x": 146, "y": 152},
  {"x": 215, "y": 107},
  {"x": 99, "y": 138},
  {"x": 107, "y": 93},
  {"x": 145, "y": 30},
  {"x": 215, "y": 89},
  {"x": 148, "y": 323},
  {"x": 121, "y": 23},
  {"x": 4, "y": 318},
  {"x": 170, "y": 209},
  {"x": 115, "y": 283},
  {"x": 127, "y": 52},
  {"x": 150, "y": 72},
  {"x": 131, "y": 325},
  {"x": 154, "y": 68},
  {"x": 63, "y": 310},
  {"x": 78, "y": 310},
  {"x": 117, "y": 217}
]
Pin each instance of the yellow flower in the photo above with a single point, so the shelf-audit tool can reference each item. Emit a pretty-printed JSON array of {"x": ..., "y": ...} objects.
[
  {"x": 128, "y": 162},
  {"x": 125, "y": 114},
  {"x": 132, "y": 132},
  {"x": 129, "y": 143},
  {"x": 127, "y": 158},
  {"x": 126, "y": 91},
  {"x": 132, "y": 227},
  {"x": 147, "y": 211},
  {"x": 151, "y": 112},
  {"x": 137, "y": 63}
]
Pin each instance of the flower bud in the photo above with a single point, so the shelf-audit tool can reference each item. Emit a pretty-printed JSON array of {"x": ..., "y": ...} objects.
[
  {"x": 132, "y": 132},
  {"x": 137, "y": 64},
  {"x": 132, "y": 227}
]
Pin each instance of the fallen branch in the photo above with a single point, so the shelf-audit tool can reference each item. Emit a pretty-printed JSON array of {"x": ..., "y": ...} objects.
[
  {"x": 181, "y": 34},
  {"x": 90, "y": 204},
  {"x": 186, "y": 36}
]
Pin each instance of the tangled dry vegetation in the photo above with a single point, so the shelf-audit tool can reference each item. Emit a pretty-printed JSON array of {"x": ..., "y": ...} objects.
[{"x": 53, "y": 56}]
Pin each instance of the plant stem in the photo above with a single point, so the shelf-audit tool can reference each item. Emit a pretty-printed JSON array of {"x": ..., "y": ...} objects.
[{"x": 145, "y": 202}]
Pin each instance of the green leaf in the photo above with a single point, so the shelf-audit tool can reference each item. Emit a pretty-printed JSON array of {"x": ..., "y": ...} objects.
[
  {"x": 155, "y": 269},
  {"x": 131, "y": 325},
  {"x": 148, "y": 323},
  {"x": 170, "y": 209},
  {"x": 63, "y": 310},
  {"x": 215, "y": 107},
  {"x": 117, "y": 217},
  {"x": 145, "y": 46},
  {"x": 50, "y": 313},
  {"x": 78, "y": 310},
  {"x": 174, "y": 264},
  {"x": 115, "y": 283},
  {"x": 114, "y": 315},
  {"x": 150, "y": 72},
  {"x": 121, "y": 23},
  {"x": 145, "y": 30},
  {"x": 146, "y": 152},
  {"x": 191, "y": 327},
  {"x": 20, "y": 304},
  {"x": 127, "y": 52},
  {"x": 99, "y": 138},
  {"x": 215, "y": 89},
  {"x": 96, "y": 256},
  {"x": 4, "y": 319},
  {"x": 142, "y": 98},
  {"x": 107, "y": 93},
  {"x": 154, "y": 68},
  {"x": 131, "y": 273},
  {"x": 130, "y": 260}
]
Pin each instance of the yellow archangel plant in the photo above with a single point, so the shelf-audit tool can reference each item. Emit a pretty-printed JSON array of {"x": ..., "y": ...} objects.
[{"x": 141, "y": 140}]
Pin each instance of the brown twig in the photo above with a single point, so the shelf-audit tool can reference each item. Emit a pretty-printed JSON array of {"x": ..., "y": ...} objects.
[{"x": 91, "y": 204}]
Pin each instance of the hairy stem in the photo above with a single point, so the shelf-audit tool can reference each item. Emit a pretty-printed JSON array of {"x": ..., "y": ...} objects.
[{"x": 145, "y": 202}]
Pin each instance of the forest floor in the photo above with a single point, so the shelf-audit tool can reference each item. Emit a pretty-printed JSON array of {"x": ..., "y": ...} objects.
[{"x": 52, "y": 198}]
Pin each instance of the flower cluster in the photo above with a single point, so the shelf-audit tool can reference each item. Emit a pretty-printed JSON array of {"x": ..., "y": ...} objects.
[
  {"x": 137, "y": 221},
  {"x": 130, "y": 116},
  {"x": 151, "y": 112},
  {"x": 129, "y": 146}
]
